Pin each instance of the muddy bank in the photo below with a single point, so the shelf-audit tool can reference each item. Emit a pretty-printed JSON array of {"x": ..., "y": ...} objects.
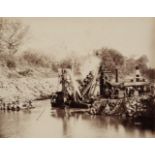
[{"x": 24, "y": 89}]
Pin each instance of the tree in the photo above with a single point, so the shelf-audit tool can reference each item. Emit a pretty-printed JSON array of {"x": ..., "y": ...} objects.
[
  {"x": 12, "y": 33},
  {"x": 111, "y": 58},
  {"x": 142, "y": 63}
]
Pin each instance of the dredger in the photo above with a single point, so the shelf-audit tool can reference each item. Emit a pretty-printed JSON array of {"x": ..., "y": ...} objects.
[{"x": 102, "y": 93}]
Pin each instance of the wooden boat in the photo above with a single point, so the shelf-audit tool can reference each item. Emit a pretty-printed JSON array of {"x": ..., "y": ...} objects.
[{"x": 114, "y": 99}]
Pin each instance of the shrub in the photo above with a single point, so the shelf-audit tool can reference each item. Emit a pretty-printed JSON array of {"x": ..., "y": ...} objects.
[
  {"x": 36, "y": 59},
  {"x": 7, "y": 60},
  {"x": 11, "y": 64}
]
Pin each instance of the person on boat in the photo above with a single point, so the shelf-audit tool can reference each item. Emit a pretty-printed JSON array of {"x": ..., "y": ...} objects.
[
  {"x": 116, "y": 93},
  {"x": 127, "y": 91},
  {"x": 148, "y": 89},
  {"x": 121, "y": 94},
  {"x": 131, "y": 92},
  {"x": 53, "y": 98},
  {"x": 30, "y": 104},
  {"x": 112, "y": 93},
  {"x": 140, "y": 91},
  {"x": 136, "y": 93}
]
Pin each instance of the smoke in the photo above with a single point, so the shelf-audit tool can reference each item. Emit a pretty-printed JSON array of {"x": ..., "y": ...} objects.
[
  {"x": 74, "y": 83},
  {"x": 90, "y": 63}
]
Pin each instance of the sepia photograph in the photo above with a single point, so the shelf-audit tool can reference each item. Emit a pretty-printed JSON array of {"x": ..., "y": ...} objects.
[{"x": 77, "y": 77}]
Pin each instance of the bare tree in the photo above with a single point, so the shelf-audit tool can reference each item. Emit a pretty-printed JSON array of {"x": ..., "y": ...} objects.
[{"x": 12, "y": 33}]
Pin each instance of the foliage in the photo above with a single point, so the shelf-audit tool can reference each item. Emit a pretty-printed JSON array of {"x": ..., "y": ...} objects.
[
  {"x": 110, "y": 58},
  {"x": 12, "y": 33},
  {"x": 113, "y": 59},
  {"x": 150, "y": 73},
  {"x": 34, "y": 58},
  {"x": 8, "y": 61}
]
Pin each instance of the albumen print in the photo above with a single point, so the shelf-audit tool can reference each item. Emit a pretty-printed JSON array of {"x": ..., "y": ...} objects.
[{"x": 77, "y": 77}]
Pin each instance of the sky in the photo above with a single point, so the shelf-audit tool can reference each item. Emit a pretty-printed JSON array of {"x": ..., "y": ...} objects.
[{"x": 79, "y": 36}]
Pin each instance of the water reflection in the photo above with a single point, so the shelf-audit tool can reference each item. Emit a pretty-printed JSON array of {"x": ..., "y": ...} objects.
[
  {"x": 46, "y": 122},
  {"x": 101, "y": 126}
]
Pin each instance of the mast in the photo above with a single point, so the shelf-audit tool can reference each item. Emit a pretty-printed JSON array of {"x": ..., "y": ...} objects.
[{"x": 101, "y": 79}]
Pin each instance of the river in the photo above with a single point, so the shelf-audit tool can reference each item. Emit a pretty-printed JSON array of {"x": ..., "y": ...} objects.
[{"x": 45, "y": 122}]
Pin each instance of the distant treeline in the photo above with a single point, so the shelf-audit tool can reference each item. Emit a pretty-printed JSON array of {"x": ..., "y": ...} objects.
[
  {"x": 12, "y": 35},
  {"x": 113, "y": 59}
]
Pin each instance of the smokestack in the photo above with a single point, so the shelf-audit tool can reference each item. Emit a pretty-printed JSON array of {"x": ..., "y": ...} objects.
[
  {"x": 116, "y": 78},
  {"x": 137, "y": 71},
  {"x": 137, "y": 74}
]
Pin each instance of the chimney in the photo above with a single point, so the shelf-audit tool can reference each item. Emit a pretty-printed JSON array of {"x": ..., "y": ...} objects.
[
  {"x": 137, "y": 74},
  {"x": 116, "y": 78}
]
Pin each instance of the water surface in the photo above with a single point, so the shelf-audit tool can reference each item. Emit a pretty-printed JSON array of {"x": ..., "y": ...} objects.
[{"x": 46, "y": 122}]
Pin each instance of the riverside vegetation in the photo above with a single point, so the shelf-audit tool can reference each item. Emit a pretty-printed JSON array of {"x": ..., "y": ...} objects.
[{"x": 30, "y": 75}]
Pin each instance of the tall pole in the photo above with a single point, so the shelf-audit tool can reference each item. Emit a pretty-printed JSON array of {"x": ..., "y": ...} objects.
[
  {"x": 116, "y": 80},
  {"x": 101, "y": 72},
  {"x": 63, "y": 82}
]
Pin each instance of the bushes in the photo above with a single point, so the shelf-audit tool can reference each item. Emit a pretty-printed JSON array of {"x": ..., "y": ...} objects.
[
  {"x": 12, "y": 35},
  {"x": 30, "y": 62},
  {"x": 11, "y": 64},
  {"x": 27, "y": 59},
  {"x": 7, "y": 60},
  {"x": 110, "y": 58},
  {"x": 36, "y": 59}
]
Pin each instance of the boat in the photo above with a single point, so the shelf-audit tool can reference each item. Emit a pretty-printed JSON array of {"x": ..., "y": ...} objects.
[{"x": 102, "y": 96}]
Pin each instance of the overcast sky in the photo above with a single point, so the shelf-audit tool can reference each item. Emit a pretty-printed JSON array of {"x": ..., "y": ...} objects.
[{"x": 61, "y": 36}]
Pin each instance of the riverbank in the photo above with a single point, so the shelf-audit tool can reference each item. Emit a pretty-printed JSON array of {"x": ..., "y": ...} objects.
[
  {"x": 26, "y": 88},
  {"x": 26, "y": 77}
]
